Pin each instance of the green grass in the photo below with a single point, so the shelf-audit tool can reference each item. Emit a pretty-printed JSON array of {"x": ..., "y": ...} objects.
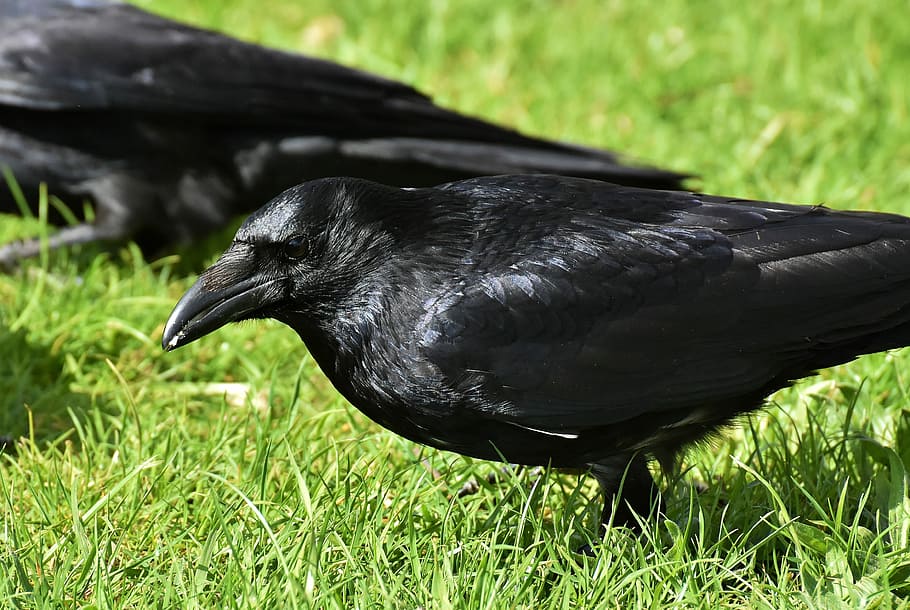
[{"x": 230, "y": 474}]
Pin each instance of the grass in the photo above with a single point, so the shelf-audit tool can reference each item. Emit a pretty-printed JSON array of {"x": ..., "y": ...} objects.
[{"x": 230, "y": 474}]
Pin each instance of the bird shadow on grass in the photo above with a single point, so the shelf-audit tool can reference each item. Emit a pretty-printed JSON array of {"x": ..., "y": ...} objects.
[{"x": 37, "y": 400}]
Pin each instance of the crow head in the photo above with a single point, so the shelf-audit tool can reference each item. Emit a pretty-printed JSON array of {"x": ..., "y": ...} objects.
[{"x": 297, "y": 259}]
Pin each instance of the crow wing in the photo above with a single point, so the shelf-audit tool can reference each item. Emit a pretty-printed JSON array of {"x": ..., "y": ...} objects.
[
  {"x": 96, "y": 55},
  {"x": 101, "y": 55},
  {"x": 635, "y": 302}
]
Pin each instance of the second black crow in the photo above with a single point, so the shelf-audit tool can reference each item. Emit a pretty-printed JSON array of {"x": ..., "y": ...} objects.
[
  {"x": 172, "y": 130},
  {"x": 562, "y": 321}
]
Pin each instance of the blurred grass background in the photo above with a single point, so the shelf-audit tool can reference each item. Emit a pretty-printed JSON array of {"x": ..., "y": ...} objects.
[{"x": 230, "y": 474}]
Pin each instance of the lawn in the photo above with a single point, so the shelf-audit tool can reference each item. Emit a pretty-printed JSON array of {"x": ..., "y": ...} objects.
[{"x": 230, "y": 474}]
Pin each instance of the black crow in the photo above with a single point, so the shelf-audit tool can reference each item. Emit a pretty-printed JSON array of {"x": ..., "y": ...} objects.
[
  {"x": 563, "y": 321},
  {"x": 173, "y": 130}
]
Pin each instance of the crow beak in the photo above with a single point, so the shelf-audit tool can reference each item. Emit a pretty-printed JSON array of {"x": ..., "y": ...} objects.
[{"x": 202, "y": 310}]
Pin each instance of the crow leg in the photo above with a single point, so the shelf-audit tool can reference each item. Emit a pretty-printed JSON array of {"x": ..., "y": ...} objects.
[
  {"x": 11, "y": 254},
  {"x": 628, "y": 488},
  {"x": 123, "y": 204}
]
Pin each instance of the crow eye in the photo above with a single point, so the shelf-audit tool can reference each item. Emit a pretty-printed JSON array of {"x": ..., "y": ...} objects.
[{"x": 296, "y": 247}]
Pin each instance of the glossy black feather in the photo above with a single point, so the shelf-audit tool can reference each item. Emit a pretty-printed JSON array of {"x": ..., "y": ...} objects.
[
  {"x": 543, "y": 319},
  {"x": 172, "y": 130}
]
